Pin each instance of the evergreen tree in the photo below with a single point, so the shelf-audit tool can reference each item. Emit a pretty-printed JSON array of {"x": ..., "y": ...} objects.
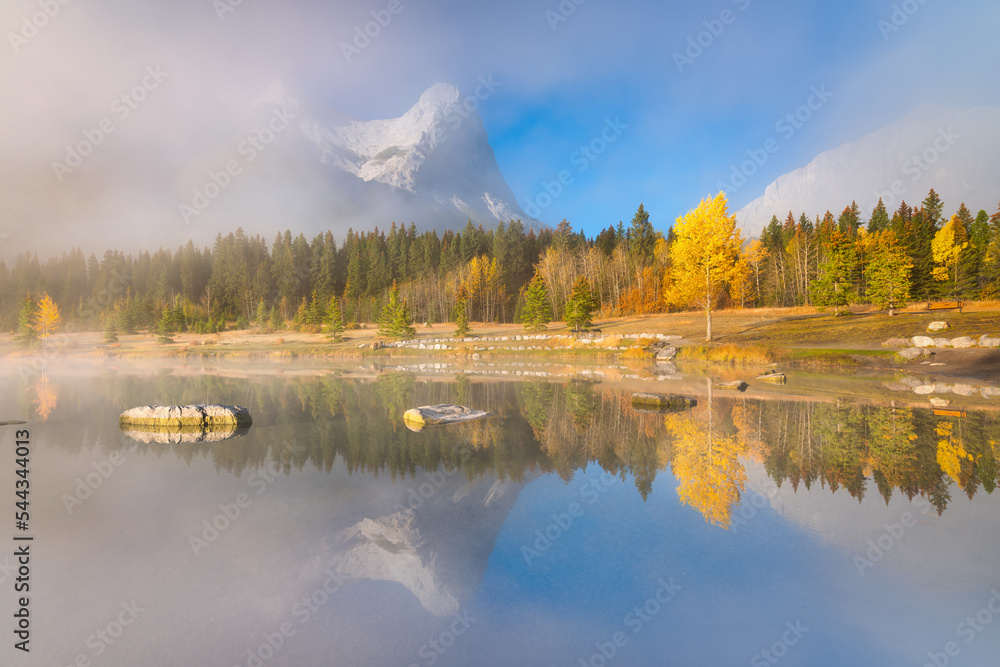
[
  {"x": 888, "y": 273},
  {"x": 641, "y": 238},
  {"x": 334, "y": 321},
  {"x": 26, "y": 333},
  {"x": 933, "y": 207},
  {"x": 395, "y": 321},
  {"x": 261, "y": 316},
  {"x": 880, "y": 218},
  {"x": 462, "y": 328},
  {"x": 537, "y": 311},
  {"x": 834, "y": 287},
  {"x": 276, "y": 323},
  {"x": 580, "y": 306}
]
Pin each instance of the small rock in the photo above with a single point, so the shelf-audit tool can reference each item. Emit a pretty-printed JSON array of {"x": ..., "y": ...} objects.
[
  {"x": 940, "y": 402},
  {"x": 924, "y": 389},
  {"x": 923, "y": 341},
  {"x": 938, "y": 326},
  {"x": 912, "y": 352},
  {"x": 964, "y": 389},
  {"x": 738, "y": 385},
  {"x": 667, "y": 354},
  {"x": 896, "y": 342},
  {"x": 942, "y": 342},
  {"x": 963, "y": 341},
  {"x": 772, "y": 377},
  {"x": 417, "y": 418}
]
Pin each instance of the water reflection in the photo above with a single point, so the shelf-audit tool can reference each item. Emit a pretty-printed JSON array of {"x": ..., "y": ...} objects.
[{"x": 544, "y": 427}]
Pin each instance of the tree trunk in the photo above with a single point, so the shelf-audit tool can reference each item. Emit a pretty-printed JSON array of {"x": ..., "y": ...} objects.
[{"x": 708, "y": 329}]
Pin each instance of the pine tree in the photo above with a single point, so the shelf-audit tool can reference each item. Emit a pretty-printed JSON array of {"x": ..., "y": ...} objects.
[
  {"x": 580, "y": 306},
  {"x": 26, "y": 333},
  {"x": 462, "y": 328},
  {"x": 537, "y": 311},
  {"x": 261, "y": 316},
  {"x": 276, "y": 323},
  {"x": 641, "y": 238},
  {"x": 334, "y": 321},
  {"x": 395, "y": 321},
  {"x": 880, "y": 218},
  {"x": 834, "y": 287},
  {"x": 888, "y": 273}
]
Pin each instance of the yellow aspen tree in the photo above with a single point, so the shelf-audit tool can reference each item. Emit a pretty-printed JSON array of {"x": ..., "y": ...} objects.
[
  {"x": 47, "y": 318},
  {"x": 946, "y": 250},
  {"x": 704, "y": 256}
]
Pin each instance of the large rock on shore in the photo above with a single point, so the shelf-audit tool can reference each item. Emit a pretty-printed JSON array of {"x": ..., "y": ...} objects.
[
  {"x": 179, "y": 416},
  {"x": 986, "y": 341},
  {"x": 937, "y": 326},
  {"x": 923, "y": 341}
]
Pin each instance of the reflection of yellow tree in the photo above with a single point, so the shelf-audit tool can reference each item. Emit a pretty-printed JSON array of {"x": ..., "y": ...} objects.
[
  {"x": 951, "y": 452},
  {"x": 707, "y": 467},
  {"x": 46, "y": 397}
]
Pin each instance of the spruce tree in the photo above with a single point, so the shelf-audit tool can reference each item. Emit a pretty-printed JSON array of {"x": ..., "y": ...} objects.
[
  {"x": 334, "y": 321},
  {"x": 880, "y": 218},
  {"x": 395, "y": 321},
  {"x": 276, "y": 323},
  {"x": 580, "y": 307},
  {"x": 537, "y": 312},
  {"x": 26, "y": 334},
  {"x": 641, "y": 238}
]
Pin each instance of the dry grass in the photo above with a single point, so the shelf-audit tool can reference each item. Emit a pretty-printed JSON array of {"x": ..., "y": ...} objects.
[{"x": 727, "y": 353}]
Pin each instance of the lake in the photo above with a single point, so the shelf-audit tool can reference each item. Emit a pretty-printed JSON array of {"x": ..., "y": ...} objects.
[{"x": 569, "y": 528}]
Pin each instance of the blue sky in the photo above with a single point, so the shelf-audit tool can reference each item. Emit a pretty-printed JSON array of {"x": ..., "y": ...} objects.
[{"x": 568, "y": 70}]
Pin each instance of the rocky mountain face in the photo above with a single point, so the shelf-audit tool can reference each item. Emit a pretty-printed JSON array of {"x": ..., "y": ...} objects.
[{"x": 956, "y": 152}]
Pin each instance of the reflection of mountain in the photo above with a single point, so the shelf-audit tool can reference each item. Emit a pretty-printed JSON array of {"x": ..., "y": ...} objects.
[{"x": 438, "y": 550}]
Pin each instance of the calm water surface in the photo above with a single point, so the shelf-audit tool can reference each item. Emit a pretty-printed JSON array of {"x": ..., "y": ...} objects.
[{"x": 568, "y": 529}]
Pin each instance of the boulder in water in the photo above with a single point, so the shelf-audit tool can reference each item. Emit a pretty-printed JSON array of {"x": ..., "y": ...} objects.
[
  {"x": 178, "y": 416},
  {"x": 417, "y": 418}
]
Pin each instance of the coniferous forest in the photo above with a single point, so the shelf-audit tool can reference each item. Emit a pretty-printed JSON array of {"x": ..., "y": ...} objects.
[{"x": 885, "y": 258}]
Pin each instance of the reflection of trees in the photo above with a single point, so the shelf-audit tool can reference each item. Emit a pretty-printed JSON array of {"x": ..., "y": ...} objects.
[
  {"x": 545, "y": 427},
  {"x": 706, "y": 463},
  {"x": 46, "y": 397}
]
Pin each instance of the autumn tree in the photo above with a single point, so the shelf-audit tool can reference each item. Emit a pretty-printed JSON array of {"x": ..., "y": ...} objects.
[
  {"x": 536, "y": 312},
  {"x": 704, "y": 257},
  {"x": 462, "y": 327},
  {"x": 888, "y": 272},
  {"x": 47, "y": 318},
  {"x": 580, "y": 306},
  {"x": 947, "y": 247}
]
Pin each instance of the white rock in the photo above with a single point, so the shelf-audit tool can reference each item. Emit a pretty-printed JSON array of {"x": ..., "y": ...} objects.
[
  {"x": 963, "y": 341},
  {"x": 923, "y": 341},
  {"x": 937, "y": 326}
]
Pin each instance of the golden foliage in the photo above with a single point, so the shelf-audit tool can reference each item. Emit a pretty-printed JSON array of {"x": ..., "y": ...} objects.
[
  {"x": 46, "y": 397},
  {"x": 47, "y": 318},
  {"x": 709, "y": 474}
]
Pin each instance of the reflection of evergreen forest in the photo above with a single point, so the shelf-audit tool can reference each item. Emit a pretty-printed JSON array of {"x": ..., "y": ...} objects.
[{"x": 542, "y": 427}]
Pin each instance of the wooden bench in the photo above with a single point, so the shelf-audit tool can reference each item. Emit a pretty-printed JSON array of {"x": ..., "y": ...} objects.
[{"x": 946, "y": 305}]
